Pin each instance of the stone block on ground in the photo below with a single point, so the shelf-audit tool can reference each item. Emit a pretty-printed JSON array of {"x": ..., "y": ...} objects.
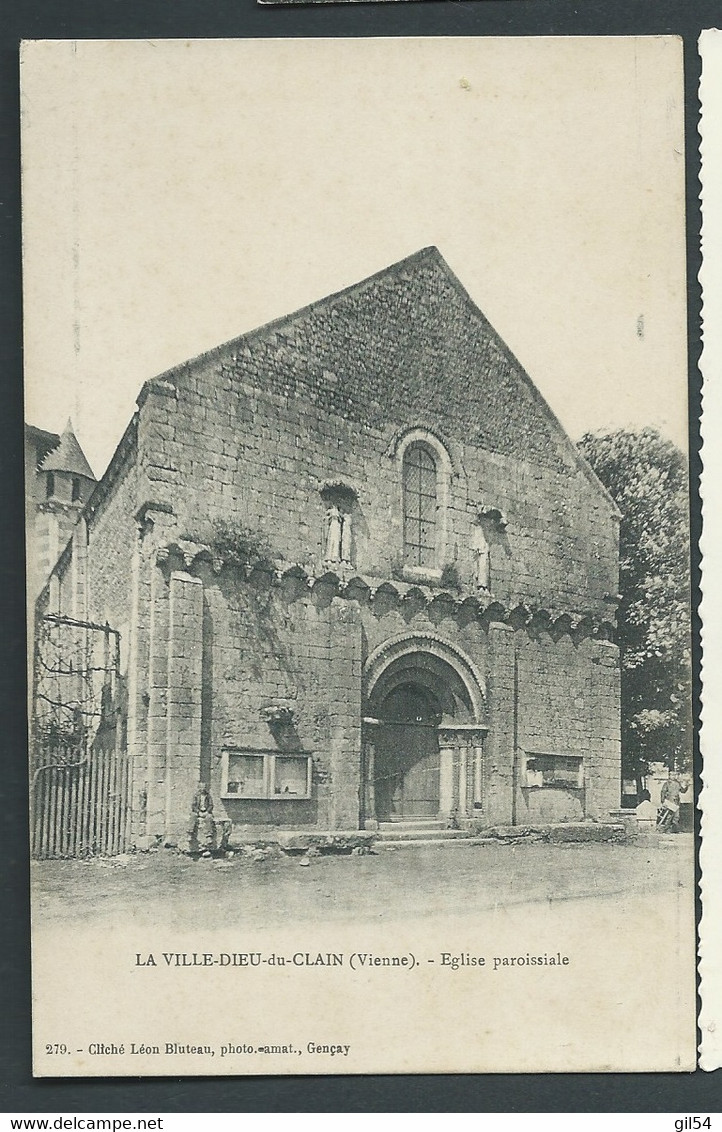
[
  {"x": 563, "y": 831},
  {"x": 331, "y": 841},
  {"x": 511, "y": 832},
  {"x": 587, "y": 831}
]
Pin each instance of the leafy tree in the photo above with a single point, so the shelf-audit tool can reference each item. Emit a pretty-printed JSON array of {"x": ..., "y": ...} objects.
[{"x": 647, "y": 477}]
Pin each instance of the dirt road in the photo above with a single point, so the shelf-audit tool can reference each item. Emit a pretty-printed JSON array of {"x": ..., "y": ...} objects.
[{"x": 454, "y": 880}]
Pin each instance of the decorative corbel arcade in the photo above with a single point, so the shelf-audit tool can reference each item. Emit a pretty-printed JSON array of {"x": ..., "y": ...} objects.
[{"x": 295, "y": 581}]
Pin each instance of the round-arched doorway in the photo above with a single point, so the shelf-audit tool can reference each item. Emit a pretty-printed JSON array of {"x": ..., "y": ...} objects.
[
  {"x": 424, "y": 722},
  {"x": 406, "y": 765}
]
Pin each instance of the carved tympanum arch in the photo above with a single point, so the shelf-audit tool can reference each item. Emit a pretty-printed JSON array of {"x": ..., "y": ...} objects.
[{"x": 427, "y": 659}]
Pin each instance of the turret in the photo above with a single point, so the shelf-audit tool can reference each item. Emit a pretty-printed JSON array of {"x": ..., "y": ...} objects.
[
  {"x": 68, "y": 475},
  {"x": 57, "y": 488}
]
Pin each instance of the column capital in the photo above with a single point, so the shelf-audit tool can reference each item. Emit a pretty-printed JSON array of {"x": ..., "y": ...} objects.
[{"x": 462, "y": 734}]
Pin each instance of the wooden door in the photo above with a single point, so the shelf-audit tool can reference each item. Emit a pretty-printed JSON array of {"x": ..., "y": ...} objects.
[{"x": 407, "y": 772}]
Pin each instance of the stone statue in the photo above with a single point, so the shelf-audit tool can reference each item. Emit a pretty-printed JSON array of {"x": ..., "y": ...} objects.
[
  {"x": 334, "y": 534},
  {"x": 346, "y": 537},
  {"x": 482, "y": 556}
]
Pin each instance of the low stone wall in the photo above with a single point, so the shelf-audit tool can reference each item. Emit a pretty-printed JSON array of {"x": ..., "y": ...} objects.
[
  {"x": 568, "y": 831},
  {"x": 301, "y": 841}
]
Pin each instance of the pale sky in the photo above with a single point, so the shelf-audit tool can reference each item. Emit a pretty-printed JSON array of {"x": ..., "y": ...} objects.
[{"x": 177, "y": 194}]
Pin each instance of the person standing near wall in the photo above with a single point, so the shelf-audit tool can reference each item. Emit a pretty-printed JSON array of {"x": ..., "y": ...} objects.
[
  {"x": 646, "y": 812},
  {"x": 201, "y": 827},
  {"x": 670, "y": 798}
]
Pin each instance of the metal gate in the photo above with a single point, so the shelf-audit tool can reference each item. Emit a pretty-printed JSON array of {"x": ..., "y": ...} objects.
[{"x": 81, "y": 775}]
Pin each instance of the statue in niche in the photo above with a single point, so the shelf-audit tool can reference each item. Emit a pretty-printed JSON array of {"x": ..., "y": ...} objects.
[
  {"x": 334, "y": 533},
  {"x": 345, "y": 536},
  {"x": 338, "y": 539},
  {"x": 482, "y": 559}
]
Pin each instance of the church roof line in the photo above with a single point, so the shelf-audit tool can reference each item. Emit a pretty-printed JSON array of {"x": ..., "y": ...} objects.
[
  {"x": 403, "y": 270},
  {"x": 266, "y": 328}
]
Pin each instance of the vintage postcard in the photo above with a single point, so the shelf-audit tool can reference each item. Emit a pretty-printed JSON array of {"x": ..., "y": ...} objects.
[{"x": 358, "y": 556}]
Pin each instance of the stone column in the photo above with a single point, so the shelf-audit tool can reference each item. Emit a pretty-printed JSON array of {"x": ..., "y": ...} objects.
[
  {"x": 501, "y": 752},
  {"x": 478, "y": 775},
  {"x": 370, "y": 729},
  {"x": 446, "y": 775},
  {"x": 148, "y": 672},
  {"x": 463, "y": 792},
  {"x": 151, "y": 782},
  {"x": 78, "y": 572},
  {"x": 602, "y": 772},
  {"x": 461, "y": 769},
  {"x": 136, "y": 685},
  {"x": 183, "y": 716},
  {"x": 345, "y": 697}
]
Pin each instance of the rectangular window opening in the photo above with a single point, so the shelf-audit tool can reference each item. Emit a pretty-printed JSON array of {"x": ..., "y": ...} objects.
[
  {"x": 290, "y": 777},
  {"x": 245, "y": 776},
  {"x": 265, "y": 775},
  {"x": 561, "y": 771}
]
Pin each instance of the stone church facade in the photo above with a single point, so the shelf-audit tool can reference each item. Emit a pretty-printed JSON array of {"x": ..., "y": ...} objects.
[{"x": 360, "y": 575}]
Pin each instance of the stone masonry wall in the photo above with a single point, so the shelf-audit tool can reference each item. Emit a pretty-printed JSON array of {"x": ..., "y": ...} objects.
[
  {"x": 252, "y": 434},
  {"x": 224, "y": 451},
  {"x": 568, "y": 705},
  {"x": 278, "y": 646},
  {"x": 213, "y": 450},
  {"x": 112, "y": 533}
]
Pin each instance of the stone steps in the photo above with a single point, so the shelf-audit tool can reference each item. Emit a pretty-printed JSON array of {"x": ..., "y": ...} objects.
[
  {"x": 415, "y": 823},
  {"x": 384, "y": 844},
  {"x": 420, "y": 832}
]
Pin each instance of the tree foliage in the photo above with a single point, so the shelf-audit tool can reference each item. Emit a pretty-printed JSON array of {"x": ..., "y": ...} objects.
[{"x": 647, "y": 477}]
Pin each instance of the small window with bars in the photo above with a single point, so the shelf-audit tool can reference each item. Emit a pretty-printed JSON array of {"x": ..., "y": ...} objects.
[{"x": 420, "y": 507}]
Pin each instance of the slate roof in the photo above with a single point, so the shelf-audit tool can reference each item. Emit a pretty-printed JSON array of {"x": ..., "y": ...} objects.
[
  {"x": 42, "y": 440},
  {"x": 68, "y": 456}
]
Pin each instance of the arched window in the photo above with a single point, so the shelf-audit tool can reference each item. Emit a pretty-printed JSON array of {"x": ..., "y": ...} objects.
[{"x": 420, "y": 506}]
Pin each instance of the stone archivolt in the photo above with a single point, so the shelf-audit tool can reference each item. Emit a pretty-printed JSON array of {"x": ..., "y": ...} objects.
[{"x": 416, "y": 644}]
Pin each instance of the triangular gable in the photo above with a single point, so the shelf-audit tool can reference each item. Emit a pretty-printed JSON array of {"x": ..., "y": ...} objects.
[{"x": 407, "y": 342}]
